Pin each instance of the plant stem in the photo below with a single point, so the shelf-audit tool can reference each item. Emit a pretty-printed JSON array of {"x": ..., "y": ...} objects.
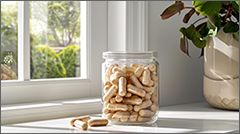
[
  {"x": 199, "y": 19},
  {"x": 188, "y": 7},
  {"x": 228, "y": 12}
]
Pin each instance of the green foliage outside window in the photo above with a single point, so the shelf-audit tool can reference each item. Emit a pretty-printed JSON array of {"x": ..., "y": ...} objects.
[
  {"x": 45, "y": 63},
  {"x": 9, "y": 35},
  {"x": 70, "y": 57},
  {"x": 63, "y": 30}
]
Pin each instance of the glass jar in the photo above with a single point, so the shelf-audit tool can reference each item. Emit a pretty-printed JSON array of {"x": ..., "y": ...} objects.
[{"x": 130, "y": 87}]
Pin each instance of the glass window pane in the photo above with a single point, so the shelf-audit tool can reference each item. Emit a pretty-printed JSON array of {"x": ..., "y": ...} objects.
[
  {"x": 9, "y": 40},
  {"x": 55, "y": 39}
]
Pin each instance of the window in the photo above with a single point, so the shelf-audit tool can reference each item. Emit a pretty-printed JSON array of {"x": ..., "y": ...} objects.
[
  {"x": 55, "y": 39},
  {"x": 43, "y": 51},
  {"x": 9, "y": 40}
]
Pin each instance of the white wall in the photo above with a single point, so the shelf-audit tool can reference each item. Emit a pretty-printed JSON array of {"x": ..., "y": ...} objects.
[{"x": 181, "y": 77}]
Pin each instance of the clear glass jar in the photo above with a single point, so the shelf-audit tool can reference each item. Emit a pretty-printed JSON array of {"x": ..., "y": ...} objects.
[{"x": 130, "y": 87}]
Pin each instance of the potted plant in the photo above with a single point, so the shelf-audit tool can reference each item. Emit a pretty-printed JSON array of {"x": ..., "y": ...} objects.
[{"x": 218, "y": 37}]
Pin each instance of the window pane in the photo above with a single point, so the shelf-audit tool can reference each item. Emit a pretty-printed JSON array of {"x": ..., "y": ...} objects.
[
  {"x": 55, "y": 39},
  {"x": 9, "y": 40}
]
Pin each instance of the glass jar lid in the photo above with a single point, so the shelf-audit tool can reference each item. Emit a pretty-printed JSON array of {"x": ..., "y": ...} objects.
[{"x": 129, "y": 55}]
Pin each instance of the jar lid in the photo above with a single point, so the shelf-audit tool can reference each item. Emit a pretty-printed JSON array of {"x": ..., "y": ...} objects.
[{"x": 129, "y": 55}]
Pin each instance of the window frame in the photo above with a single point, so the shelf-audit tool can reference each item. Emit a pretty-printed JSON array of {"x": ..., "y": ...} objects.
[{"x": 25, "y": 90}]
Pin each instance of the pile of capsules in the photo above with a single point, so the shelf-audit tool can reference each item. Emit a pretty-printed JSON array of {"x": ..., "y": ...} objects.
[
  {"x": 85, "y": 121},
  {"x": 130, "y": 93}
]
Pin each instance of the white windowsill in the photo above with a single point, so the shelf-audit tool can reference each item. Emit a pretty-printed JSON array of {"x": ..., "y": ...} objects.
[
  {"x": 49, "y": 110},
  {"x": 186, "y": 118}
]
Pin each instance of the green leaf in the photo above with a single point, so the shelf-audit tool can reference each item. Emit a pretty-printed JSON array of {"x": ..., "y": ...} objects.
[
  {"x": 231, "y": 27},
  {"x": 235, "y": 4},
  {"x": 236, "y": 15},
  {"x": 184, "y": 45},
  {"x": 208, "y": 29},
  {"x": 236, "y": 36},
  {"x": 200, "y": 26},
  {"x": 207, "y": 8},
  {"x": 193, "y": 35},
  {"x": 212, "y": 29},
  {"x": 204, "y": 30},
  {"x": 172, "y": 10},
  {"x": 215, "y": 20}
]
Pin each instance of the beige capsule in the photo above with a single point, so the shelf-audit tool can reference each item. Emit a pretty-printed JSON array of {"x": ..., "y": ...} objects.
[
  {"x": 138, "y": 72},
  {"x": 144, "y": 119},
  {"x": 147, "y": 89},
  {"x": 115, "y": 119},
  {"x": 113, "y": 80},
  {"x": 145, "y": 104},
  {"x": 154, "y": 107},
  {"x": 80, "y": 124},
  {"x": 133, "y": 117},
  {"x": 142, "y": 65},
  {"x": 116, "y": 69},
  {"x": 83, "y": 118},
  {"x": 154, "y": 89},
  {"x": 130, "y": 108},
  {"x": 152, "y": 73},
  {"x": 119, "y": 74},
  {"x": 126, "y": 69},
  {"x": 152, "y": 67},
  {"x": 97, "y": 122},
  {"x": 135, "y": 90},
  {"x": 115, "y": 94},
  {"x": 113, "y": 100},
  {"x": 115, "y": 107},
  {"x": 109, "y": 72},
  {"x": 123, "y": 116},
  {"x": 128, "y": 74},
  {"x": 154, "y": 78},
  {"x": 106, "y": 88},
  {"x": 105, "y": 111},
  {"x": 154, "y": 96},
  {"x": 147, "y": 97},
  {"x": 107, "y": 83},
  {"x": 134, "y": 65},
  {"x": 110, "y": 93},
  {"x": 118, "y": 98},
  {"x": 134, "y": 100},
  {"x": 134, "y": 80},
  {"x": 150, "y": 83},
  {"x": 128, "y": 94},
  {"x": 119, "y": 114},
  {"x": 155, "y": 84},
  {"x": 146, "y": 113},
  {"x": 146, "y": 77},
  {"x": 106, "y": 103},
  {"x": 109, "y": 116},
  {"x": 122, "y": 86}
]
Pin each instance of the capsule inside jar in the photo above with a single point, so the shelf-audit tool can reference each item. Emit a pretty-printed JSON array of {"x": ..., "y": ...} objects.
[{"x": 134, "y": 90}]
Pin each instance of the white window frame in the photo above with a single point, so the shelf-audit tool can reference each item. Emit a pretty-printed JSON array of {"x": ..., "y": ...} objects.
[
  {"x": 76, "y": 97},
  {"x": 25, "y": 90}
]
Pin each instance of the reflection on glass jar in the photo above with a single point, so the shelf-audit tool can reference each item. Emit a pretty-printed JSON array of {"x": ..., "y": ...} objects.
[{"x": 130, "y": 87}]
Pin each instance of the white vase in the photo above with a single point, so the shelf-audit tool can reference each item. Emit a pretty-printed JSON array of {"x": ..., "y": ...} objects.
[{"x": 221, "y": 71}]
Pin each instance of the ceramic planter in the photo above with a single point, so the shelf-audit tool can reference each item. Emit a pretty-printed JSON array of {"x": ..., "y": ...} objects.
[{"x": 221, "y": 71}]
